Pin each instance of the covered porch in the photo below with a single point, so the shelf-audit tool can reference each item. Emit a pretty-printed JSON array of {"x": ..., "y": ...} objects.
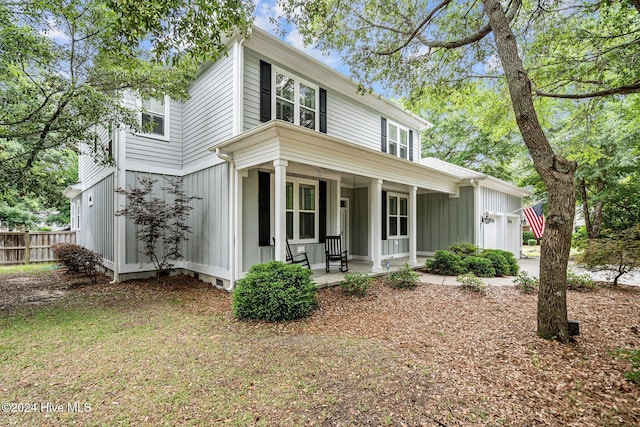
[
  {"x": 289, "y": 183},
  {"x": 324, "y": 279}
]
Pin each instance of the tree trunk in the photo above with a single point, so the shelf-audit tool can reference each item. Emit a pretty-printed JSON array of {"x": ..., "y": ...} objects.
[{"x": 558, "y": 175}]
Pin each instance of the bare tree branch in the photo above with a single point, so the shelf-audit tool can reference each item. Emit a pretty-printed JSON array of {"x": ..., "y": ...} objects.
[{"x": 621, "y": 90}]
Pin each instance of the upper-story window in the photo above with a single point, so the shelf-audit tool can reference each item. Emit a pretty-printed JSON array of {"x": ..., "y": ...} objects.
[
  {"x": 155, "y": 117},
  {"x": 398, "y": 139},
  {"x": 296, "y": 101}
]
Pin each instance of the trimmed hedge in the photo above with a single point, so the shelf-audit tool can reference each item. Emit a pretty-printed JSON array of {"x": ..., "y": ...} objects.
[
  {"x": 275, "y": 291},
  {"x": 467, "y": 258},
  {"x": 481, "y": 267},
  {"x": 445, "y": 263}
]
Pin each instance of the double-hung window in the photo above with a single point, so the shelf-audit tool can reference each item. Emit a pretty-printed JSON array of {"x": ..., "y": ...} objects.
[
  {"x": 302, "y": 210},
  {"x": 398, "y": 139},
  {"x": 398, "y": 216},
  {"x": 296, "y": 101},
  {"x": 155, "y": 117}
]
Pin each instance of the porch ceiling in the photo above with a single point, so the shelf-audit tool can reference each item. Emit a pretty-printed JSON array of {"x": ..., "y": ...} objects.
[{"x": 281, "y": 140}]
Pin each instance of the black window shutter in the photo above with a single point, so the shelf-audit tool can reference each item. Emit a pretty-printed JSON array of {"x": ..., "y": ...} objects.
[
  {"x": 265, "y": 91},
  {"x": 383, "y": 134},
  {"x": 322, "y": 218},
  {"x": 410, "y": 144},
  {"x": 264, "y": 211},
  {"x": 384, "y": 215},
  {"x": 323, "y": 110}
]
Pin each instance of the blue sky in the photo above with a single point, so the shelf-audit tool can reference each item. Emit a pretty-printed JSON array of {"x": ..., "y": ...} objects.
[{"x": 266, "y": 9}]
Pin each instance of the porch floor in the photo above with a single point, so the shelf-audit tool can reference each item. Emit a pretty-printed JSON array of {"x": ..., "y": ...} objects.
[{"x": 324, "y": 279}]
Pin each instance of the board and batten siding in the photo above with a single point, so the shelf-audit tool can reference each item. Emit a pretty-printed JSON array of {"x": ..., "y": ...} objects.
[
  {"x": 443, "y": 220},
  {"x": 346, "y": 119},
  {"x": 96, "y": 220},
  {"x": 208, "y": 114},
  {"x": 208, "y": 244},
  {"x": 146, "y": 149},
  {"x": 497, "y": 201},
  {"x": 359, "y": 212}
]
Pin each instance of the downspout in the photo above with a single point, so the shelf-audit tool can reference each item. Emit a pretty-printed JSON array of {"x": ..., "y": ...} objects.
[
  {"x": 232, "y": 214},
  {"x": 119, "y": 178},
  {"x": 476, "y": 210}
]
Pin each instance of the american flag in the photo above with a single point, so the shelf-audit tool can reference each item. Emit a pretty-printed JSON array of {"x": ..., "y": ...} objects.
[{"x": 535, "y": 218}]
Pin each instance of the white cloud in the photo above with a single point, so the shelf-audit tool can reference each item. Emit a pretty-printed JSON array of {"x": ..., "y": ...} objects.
[{"x": 53, "y": 32}]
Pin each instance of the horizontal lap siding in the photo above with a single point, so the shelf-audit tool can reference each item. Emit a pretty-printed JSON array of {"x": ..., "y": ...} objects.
[
  {"x": 158, "y": 152},
  {"x": 208, "y": 114},
  {"x": 352, "y": 122},
  {"x": 96, "y": 222},
  {"x": 443, "y": 220},
  {"x": 251, "y": 101},
  {"x": 88, "y": 169}
]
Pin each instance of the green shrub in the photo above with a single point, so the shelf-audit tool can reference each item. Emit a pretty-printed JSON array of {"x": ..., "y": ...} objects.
[
  {"x": 525, "y": 283},
  {"x": 404, "y": 278},
  {"x": 464, "y": 249},
  {"x": 77, "y": 259},
  {"x": 498, "y": 261},
  {"x": 471, "y": 282},
  {"x": 532, "y": 242},
  {"x": 275, "y": 291},
  {"x": 445, "y": 263},
  {"x": 528, "y": 235},
  {"x": 514, "y": 267},
  {"x": 355, "y": 283},
  {"x": 579, "y": 282},
  {"x": 579, "y": 239},
  {"x": 479, "y": 266}
]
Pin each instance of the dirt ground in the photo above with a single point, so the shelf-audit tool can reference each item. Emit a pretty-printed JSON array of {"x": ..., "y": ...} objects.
[{"x": 459, "y": 358}]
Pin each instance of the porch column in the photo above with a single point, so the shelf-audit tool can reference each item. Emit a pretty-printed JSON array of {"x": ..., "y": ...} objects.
[
  {"x": 375, "y": 237},
  {"x": 280, "y": 208},
  {"x": 338, "y": 227},
  {"x": 413, "y": 226}
]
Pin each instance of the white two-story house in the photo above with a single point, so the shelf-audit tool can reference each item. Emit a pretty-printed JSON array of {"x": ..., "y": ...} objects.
[{"x": 280, "y": 146}]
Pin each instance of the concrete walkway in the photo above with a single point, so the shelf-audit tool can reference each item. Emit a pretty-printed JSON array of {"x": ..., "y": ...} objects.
[{"x": 531, "y": 266}]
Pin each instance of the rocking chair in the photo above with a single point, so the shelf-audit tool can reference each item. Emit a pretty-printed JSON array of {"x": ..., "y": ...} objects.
[{"x": 333, "y": 253}]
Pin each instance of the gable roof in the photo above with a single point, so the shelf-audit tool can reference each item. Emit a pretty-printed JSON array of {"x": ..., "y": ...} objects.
[
  {"x": 465, "y": 174},
  {"x": 261, "y": 41}
]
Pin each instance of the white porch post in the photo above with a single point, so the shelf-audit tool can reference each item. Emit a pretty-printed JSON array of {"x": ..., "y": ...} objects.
[
  {"x": 238, "y": 254},
  {"x": 280, "y": 208},
  {"x": 337, "y": 225},
  {"x": 413, "y": 226},
  {"x": 375, "y": 237}
]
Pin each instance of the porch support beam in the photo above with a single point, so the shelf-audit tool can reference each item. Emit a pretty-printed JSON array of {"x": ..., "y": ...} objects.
[
  {"x": 338, "y": 227},
  {"x": 413, "y": 226},
  {"x": 375, "y": 237},
  {"x": 280, "y": 208}
]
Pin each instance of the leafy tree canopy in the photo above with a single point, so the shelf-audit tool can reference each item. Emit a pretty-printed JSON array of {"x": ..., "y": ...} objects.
[{"x": 66, "y": 64}]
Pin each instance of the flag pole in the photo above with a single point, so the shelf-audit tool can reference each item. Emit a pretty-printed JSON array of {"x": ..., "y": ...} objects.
[{"x": 532, "y": 204}]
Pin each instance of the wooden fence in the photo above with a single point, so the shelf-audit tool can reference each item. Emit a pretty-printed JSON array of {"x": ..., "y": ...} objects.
[{"x": 34, "y": 246}]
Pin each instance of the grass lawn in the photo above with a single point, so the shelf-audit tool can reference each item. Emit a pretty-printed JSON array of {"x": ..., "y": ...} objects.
[{"x": 145, "y": 354}]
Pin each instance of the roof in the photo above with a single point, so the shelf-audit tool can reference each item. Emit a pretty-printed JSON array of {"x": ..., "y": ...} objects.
[
  {"x": 272, "y": 47},
  {"x": 471, "y": 175}
]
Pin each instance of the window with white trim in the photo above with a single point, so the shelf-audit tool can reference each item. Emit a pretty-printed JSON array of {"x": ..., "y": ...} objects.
[
  {"x": 398, "y": 215},
  {"x": 78, "y": 215},
  {"x": 296, "y": 101},
  {"x": 398, "y": 140},
  {"x": 155, "y": 117},
  {"x": 302, "y": 210}
]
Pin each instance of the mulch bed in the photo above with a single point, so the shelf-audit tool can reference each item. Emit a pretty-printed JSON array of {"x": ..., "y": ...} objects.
[{"x": 470, "y": 359}]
